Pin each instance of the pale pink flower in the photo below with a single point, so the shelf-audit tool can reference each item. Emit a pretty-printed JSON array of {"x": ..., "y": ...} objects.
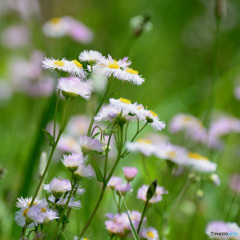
[{"x": 130, "y": 173}]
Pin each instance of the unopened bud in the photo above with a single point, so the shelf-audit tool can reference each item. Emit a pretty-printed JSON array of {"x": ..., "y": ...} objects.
[
  {"x": 220, "y": 8},
  {"x": 200, "y": 194},
  {"x": 151, "y": 189}
]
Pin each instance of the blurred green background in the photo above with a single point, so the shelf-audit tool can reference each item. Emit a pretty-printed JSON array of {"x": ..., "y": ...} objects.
[{"x": 175, "y": 58}]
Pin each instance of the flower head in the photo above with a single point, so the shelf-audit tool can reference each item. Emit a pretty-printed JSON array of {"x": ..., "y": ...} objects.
[
  {"x": 58, "y": 186},
  {"x": 130, "y": 173},
  {"x": 73, "y": 86},
  {"x": 84, "y": 171},
  {"x": 89, "y": 144},
  {"x": 71, "y": 162},
  {"x": 149, "y": 234},
  {"x": 114, "y": 181},
  {"x": 92, "y": 57}
]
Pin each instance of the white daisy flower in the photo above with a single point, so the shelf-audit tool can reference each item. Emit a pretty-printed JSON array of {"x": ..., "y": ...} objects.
[
  {"x": 200, "y": 163},
  {"x": 124, "y": 104},
  {"x": 107, "y": 113},
  {"x": 157, "y": 197},
  {"x": 73, "y": 86},
  {"x": 56, "y": 27},
  {"x": 84, "y": 171},
  {"x": 25, "y": 202},
  {"x": 149, "y": 234},
  {"x": 58, "y": 186},
  {"x": 89, "y": 144},
  {"x": 114, "y": 181},
  {"x": 91, "y": 56},
  {"x": 110, "y": 66},
  {"x": 143, "y": 146},
  {"x": 55, "y": 64},
  {"x": 71, "y": 162},
  {"x": 173, "y": 153},
  {"x": 76, "y": 68},
  {"x": 50, "y": 215},
  {"x": 129, "y": 75},
  {"x": 69, "y": 144},
  {"x": 31, "y": 215},
  {"x": 153, "y": 119},
  {"x": 62, "y": 201}
]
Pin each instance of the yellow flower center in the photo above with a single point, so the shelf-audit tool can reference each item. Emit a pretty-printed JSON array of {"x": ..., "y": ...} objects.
[
  {"x": 58, "y": 63},
  {"x": 25, "y": 212},
  {"x": 43, "y": 210},
  {"x": 197, "y": 156},
  {"x": 171, "y": 154},
  {"x": 77, "y": 63},
  {"x": 150, "y": 234},
  {"x": 129, "y": 70},
  {"x": 71, "y": 143},
  {"x": 34, "y": 203},
  {"x": 55, "y": 20},
  {"x": 187, "y": 119},
  {"x": 85, "y": 238},
  {"x": 144, "y": 141},
  {"x": 139, "y": 108},
  {"x": 124, "y": 100},
  {"x": 153, "y": 114},
  {"x": 113, "y": 64}
]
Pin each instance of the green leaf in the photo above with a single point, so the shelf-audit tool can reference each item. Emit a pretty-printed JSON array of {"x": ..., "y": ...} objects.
[
  {"x": 50, "y": 138},
  {"x": 98, "y": 172},
  {"x": 134, "y": 232}
]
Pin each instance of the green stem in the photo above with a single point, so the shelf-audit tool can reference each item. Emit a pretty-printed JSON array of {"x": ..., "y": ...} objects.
[
  {"x": 98, "y": 108},
  {"x": 145, "y": 168},
  {"x": 215, "y": 73},
  {"x": 103, "y": 189},
  {"x": 62, "y": 213},
  {"x": 106, "y": 157},
  {"x": 55, "y": 115},
  {"x": 144, "y": 210}
]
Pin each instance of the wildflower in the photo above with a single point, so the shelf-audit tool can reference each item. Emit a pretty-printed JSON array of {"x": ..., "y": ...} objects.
[
  {"x": 143, "y": 146},
  {"x": 68, "y": 144},
  {"x": 129, "y": 75},
  {"x": 149, "y": 234},
  {"x": 58, "y": 187},
  {"x": 89, "y": 144},
  {"x": 107, "y": 113},
  {"x": 200, "y": 163},
  {"x": 218, "y": 226},
  {"x": 157, "y": 197},
  {"x": 72, "y": 87},
  {"x": 25, "y": 202},
  {"x": 114, "y": 181},
  {"x": 63, "y": 200},
  {"x": 123, "y": 188},
  {"x": 114, "y": 228},
  {"x": 124, "y": 104},
  {"x": 55, "y": 64},
  {"x": 84, "y": 171},
  {"x": 130, "y": 173},
  {"x": 77, "y": 125},
  {"x": 153, "y": 119},
  {"x": 71, "y": 162},
  {"x": 92, "y": 57},
  {"x": 56, "y": 27}
]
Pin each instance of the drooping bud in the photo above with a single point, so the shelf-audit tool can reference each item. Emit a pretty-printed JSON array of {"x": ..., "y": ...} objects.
[{"x": 200, "y": 194}]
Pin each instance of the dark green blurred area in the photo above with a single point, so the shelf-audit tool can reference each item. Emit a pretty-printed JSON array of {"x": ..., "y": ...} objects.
[{"x": 175, "y": 58}]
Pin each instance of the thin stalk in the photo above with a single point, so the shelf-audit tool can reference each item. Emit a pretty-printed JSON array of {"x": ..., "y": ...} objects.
[
  {"x": 68, "y": 212},
  {"x": 143, "y": 213},
  {"x": 179, "y": 198},
  {"x": 106, "y": 157},
  {"x": 62, "y": 213},
  {"x": 55, "y": 115},
  {"x": 98, "y": 108},
  {"x": 214, "y": 74},
  {"x": 145, "y": 168},
  {"x": 103, "y": 189},
  {"x": 116, "y": 89}
]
